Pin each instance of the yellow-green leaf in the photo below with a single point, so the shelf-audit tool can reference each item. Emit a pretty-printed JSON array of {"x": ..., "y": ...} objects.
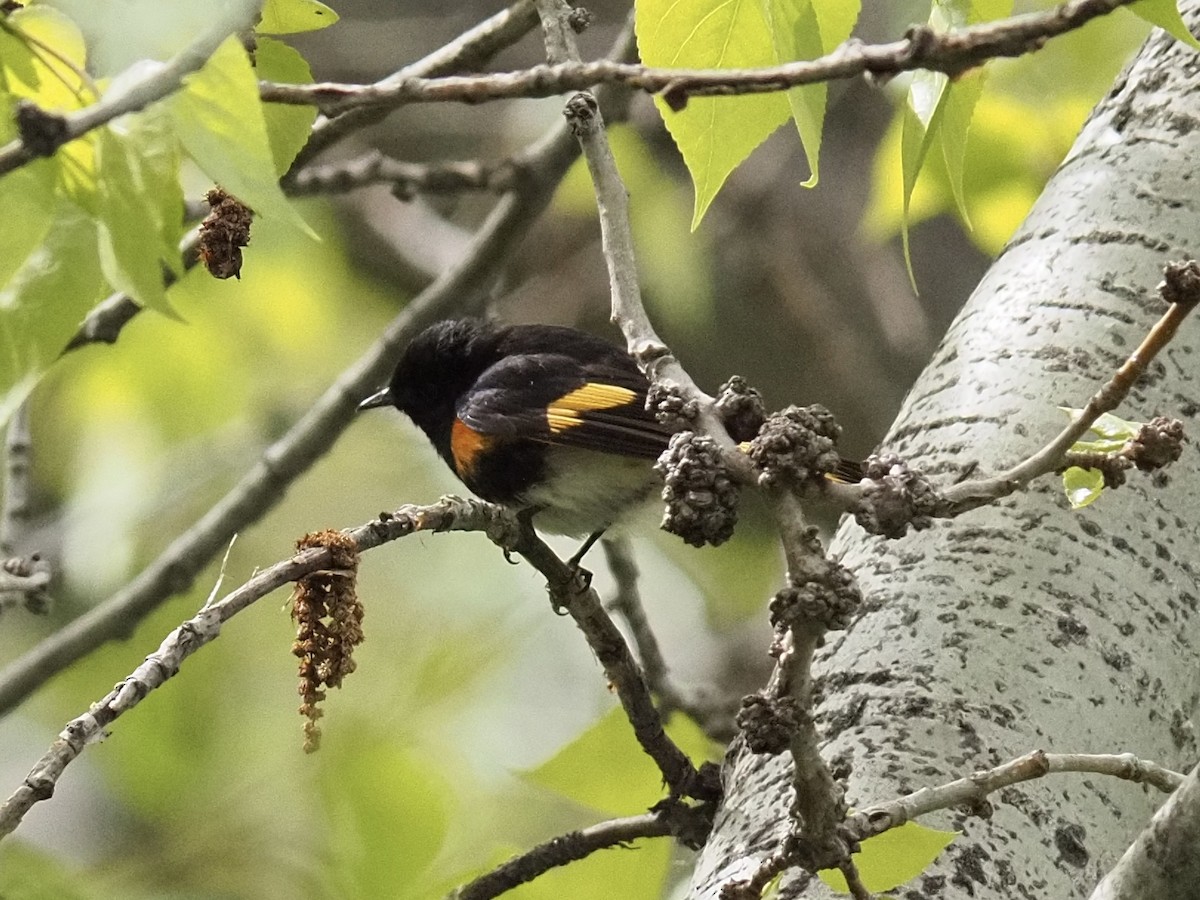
[
  {"x": 285, "y": 17},
  {"x": 1082, "y": 486},
  {"x": 47, "y": 67},
  {"x": 890, "y": 859},
  {"x": 584, "y": 769},
  {"x": 1165, "y": 14},
  {"x": 219, "y": 118},
  {"x": 714, "y": 134},
  {"x": 288, "y": 126},
  {"x": 958, "y": 104},
  {"x": 289, "y": 16},
  {"x": 805, "y": 29},
  {"x": 43, "y": 302},
  {"x": 920, "y": 118},
  {"x": 140, "y": 207}
]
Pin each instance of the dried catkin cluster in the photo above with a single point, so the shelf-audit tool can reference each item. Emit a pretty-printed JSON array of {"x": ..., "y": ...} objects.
[{"x": 328, "y": 616}]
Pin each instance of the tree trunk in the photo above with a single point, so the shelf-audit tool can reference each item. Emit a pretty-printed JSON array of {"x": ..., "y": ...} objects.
[{"x": 1027, "y": 625}]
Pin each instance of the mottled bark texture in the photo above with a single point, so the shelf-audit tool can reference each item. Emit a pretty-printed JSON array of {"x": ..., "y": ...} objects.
[
  {"x": 1163, "y": 861},
  {"x": 1028, "y": 625}
]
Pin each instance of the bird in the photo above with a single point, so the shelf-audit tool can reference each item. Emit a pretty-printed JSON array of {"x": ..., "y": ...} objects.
[
  {"x": 543, "y": 419},
  {"x": 546, "y": 420}
]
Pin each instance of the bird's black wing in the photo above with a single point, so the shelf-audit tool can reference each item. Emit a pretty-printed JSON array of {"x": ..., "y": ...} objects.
[{"x": 596, "y": 402}]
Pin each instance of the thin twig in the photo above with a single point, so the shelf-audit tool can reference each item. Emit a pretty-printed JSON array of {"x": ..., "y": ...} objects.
[
  {"x": 573, "y": 594},
  {"x": 628, "y": 602},
  {"x": 560, "y": 851},
  {"x": 406, "y": 179},
  {"x": 1182, "y": 284},
  {"x": 469, "y": 50},
  {"x": 449, "y": 514},
  {"x": 161, "y": 82},
  {"x": 971, "y": 792},
  {"x": 922, "y": 48}
]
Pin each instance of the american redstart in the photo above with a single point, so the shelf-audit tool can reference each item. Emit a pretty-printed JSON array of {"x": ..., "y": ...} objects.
[{"x": 536, "y": 417}]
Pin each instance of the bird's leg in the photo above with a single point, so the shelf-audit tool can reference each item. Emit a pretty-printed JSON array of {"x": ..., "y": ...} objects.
[{"x": 574, "y": 561}]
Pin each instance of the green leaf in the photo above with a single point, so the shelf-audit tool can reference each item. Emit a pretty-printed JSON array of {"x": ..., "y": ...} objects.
[
  {"x": 805, "y": 29},
  {"x": 28, "y": 874},
  {"x": 43, "y": 302},
  {"x": 1115, "y": 428},
  {"x": 890, "y": 859},
  {"x": 1082, "y": 486},
  {"x": 25, "y": 197},
  {"x": 288, "y": 127},
  {"x": 33, "y": 72},
  {"x": 219, "y": 118},
  {"x": 958, "y": 108},
  {"x": 1165, "y": 14},
  {"x": 714, "y": 134},
  {"x": 1107, "y": 425},
  {"x": 388, "y": 803},
  {"x": 140, "y": 207},
  {"x": 16, "y": 59},
  {"x": 606, "y": 769},
  {"x": 920, "y": 118},
  {"x": 989, "y": 10},
  {"x": 290, "y": 16}
]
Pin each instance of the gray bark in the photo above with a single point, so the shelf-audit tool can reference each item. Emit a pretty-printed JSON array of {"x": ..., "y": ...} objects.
[
  {"x": 1165, "y": 859},
  {"x": 1027, "y": 625}
]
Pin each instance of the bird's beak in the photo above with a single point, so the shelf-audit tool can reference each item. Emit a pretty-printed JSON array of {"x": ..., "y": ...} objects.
[{"x": 379, "y": 398}]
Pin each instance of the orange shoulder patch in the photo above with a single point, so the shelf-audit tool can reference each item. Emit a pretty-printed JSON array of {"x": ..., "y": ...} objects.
[
  {"x": 564, "y": 412},
  {"x": 465, "y": 446}
]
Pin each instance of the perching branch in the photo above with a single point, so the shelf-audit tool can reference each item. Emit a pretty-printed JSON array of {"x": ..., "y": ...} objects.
[
  {"x": 43, "y": 132},
  {"x": 448, "y": 514},
  {"x": 922, "y": 48}
]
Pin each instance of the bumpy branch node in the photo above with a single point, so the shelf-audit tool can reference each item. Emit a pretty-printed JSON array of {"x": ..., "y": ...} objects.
[
  {"x": 698, "y": 490},
  {"x": 795, "y": 446}
]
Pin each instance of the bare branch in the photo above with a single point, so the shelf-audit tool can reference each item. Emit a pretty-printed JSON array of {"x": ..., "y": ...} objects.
[
  {"x": 406, "y": 179},
  {"x": 572, "y": 593},
  {"x": 449, "y": 514},
  {"x": 922, "y": 48},
  {"x": 971, "y": 792},
  {"x": 44, "y": 132},
  {"x": 1181, "y": 288},
  {"x": 470, "y": 50},
  {"x": 560, "y": 851}
]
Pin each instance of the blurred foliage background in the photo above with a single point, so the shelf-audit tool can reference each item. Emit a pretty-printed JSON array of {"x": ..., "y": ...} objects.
[{"x": 477, "y": 722}]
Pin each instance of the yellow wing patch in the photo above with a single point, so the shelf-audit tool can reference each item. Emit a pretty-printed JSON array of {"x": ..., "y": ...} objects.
[{"x": 564, "y": 412}]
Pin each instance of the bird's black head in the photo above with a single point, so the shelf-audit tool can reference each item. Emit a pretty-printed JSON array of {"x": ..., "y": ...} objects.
[{"x": 440, "y": 364}]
